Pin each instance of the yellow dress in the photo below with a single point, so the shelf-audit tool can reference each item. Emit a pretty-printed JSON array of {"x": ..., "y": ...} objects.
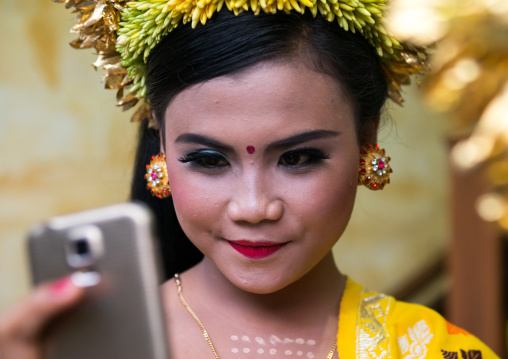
[{"x": 376, "y": 326}]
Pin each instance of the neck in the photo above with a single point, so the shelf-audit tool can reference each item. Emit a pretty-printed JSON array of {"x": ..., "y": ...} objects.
[{"x": 310, "y": 300}]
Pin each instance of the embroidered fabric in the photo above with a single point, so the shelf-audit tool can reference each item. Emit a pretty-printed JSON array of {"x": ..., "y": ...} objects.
[
  {"x": 372, "y": 336},
  {"x": 376, "y": 326}
]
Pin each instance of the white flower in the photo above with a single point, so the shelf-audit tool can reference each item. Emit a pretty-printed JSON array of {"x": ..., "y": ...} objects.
[
  {"x": 403, "y": 344},
  {"x": 420, "y": 336}
]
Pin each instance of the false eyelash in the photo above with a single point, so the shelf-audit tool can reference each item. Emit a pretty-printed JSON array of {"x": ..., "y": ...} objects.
[
  {"x": 314, "y": 157},
  {"x": 311, "y": 151},
  {"x": 196, "y": 156}
]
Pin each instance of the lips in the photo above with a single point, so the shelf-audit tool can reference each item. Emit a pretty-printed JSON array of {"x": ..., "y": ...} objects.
[{"x": 256, "y": 250}]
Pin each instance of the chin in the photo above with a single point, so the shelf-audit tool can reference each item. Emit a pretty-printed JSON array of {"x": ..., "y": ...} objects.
[
  {"x": 260, "y": 288},
  {"x": 260, "y": 281},
  {"x": 256, "y": 287}
]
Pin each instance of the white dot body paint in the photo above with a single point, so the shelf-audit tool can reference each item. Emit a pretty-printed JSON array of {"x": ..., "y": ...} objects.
[
  {"x": 276, "y": 342},
  {"x": 275, "y": 339},
  {"x": 260, "y": 341}
]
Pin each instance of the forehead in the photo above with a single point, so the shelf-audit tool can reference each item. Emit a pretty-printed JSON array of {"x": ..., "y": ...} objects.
[{"x": 271, "y": 99}]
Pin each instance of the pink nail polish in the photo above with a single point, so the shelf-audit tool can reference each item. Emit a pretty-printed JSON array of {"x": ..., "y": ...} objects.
[{"x": 60, "y": 285}]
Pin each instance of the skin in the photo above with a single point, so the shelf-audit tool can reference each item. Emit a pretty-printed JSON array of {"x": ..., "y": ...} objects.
[
  {"x": 22, "y": 326},
  {"x": 274, "y": 194},
  {"x": 278, "y": 193},
  {"x": 255, "y": 197}
]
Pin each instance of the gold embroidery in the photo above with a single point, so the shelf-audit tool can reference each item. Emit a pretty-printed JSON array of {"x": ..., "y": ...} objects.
[{"x": 371, "y": 333}]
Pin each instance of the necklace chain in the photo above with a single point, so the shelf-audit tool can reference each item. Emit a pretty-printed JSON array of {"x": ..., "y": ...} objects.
[{"x": 178, "y": 282}]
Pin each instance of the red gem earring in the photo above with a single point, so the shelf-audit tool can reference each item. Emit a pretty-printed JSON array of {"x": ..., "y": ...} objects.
[
  {"x": 157, "y": 177},
  {"x": 374, "y": 167}
]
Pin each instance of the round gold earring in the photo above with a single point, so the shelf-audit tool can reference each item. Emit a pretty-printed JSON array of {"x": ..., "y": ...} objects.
[
  {"x": 374, "y": 167},
  {"x": 157, "y": 177}
]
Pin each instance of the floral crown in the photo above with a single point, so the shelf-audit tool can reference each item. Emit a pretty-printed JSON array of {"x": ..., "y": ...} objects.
[{"x": 124, "y": 33}]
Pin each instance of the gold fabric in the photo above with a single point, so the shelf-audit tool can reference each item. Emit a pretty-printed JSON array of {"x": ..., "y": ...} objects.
[{"x": 376, "y": 326}]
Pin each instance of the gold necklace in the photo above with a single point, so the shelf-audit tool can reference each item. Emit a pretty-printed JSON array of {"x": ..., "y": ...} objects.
[{"x": 178, "y": 282}]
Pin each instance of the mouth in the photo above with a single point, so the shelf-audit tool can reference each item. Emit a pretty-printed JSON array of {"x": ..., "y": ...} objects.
[{"x": 256, "y": 250}]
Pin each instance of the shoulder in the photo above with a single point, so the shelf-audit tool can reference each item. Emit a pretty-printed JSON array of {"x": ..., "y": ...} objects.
[
  {"x": 385, "y": 327},
  {"x": 418, "y": 331}
]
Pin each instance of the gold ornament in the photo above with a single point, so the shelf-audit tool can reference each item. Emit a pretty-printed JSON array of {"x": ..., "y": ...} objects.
[
  {"x": 124, "y": 32},
  {"x": 145, "y": 22},
  {"x": 469, "y": 83},
  {"x": 374, "y": 167},
  {"x": 157, "y": 177},
  {"x": 178, "y": 283}
]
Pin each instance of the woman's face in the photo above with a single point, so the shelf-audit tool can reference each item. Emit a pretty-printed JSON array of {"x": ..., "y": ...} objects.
[{"x": 263, "y": 168}]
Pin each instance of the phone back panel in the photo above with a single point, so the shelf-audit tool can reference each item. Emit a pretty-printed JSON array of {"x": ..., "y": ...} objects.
[{"x": 122, "y": 315}]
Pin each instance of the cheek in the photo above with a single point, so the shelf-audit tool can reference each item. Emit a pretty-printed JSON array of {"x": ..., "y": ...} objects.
[
  {"x": 196, "y": 201},
  {"x": 331, "y": 194},
  {"x": 329, "y": 211},
  {"x": 188, "y": 199}
]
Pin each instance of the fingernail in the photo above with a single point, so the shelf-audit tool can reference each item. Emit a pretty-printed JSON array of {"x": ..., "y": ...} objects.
[{"x": 60, "y": 285}]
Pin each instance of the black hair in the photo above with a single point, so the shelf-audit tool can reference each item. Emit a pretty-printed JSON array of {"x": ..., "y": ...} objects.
[{"x": 228, "y": 44}]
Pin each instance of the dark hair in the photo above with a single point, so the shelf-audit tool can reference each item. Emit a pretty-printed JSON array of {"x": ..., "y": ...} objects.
[{"x": 227, "y": 44}]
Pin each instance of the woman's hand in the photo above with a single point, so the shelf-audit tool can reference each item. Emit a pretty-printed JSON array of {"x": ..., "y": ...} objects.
[{"x": 21, "y": 326}]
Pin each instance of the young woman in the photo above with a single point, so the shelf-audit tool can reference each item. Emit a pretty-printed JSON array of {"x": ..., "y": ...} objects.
[{"x": 265, "y": 124}]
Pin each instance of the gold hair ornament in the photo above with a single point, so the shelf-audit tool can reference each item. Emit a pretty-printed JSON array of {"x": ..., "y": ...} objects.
[
  {"x": 469, "y": 83},
  {"x": 123, "y": 33}
]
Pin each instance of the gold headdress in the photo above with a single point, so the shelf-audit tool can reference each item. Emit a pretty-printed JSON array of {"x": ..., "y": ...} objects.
[{"x": 123, "y": 33}]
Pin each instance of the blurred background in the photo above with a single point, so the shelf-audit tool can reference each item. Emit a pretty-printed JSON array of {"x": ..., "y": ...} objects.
[{"x": 65, "y": 147}]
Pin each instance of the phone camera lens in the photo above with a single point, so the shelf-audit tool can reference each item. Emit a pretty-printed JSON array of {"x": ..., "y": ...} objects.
[{"x": 82, "y": 247}]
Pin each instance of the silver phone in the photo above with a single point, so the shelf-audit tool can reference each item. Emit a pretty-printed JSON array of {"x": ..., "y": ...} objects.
[{"x": 112, "y": 252}]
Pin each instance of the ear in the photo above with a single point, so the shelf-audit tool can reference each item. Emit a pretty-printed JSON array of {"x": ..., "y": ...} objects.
[
  {"x": 162, "y": 140},
  {"x": 368, "y": 132},
  {"x": 162, "y": 150}
]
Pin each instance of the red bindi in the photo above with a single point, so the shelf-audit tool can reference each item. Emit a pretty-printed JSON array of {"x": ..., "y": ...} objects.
[{"x": 251, "y": 150}]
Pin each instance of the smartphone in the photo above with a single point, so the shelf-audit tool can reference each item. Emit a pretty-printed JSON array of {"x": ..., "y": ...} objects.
[{"x": 112, "y": 252}]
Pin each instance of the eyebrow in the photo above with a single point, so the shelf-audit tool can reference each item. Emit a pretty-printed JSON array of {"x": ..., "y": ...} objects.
[
  {"x": 202, "y": 140},
  {"x": 302, "y": 138},
  {"x": 286, "y": 142}
]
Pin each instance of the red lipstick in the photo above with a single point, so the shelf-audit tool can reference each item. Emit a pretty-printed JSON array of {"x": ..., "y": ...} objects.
[{"x": 256, "y": 250}]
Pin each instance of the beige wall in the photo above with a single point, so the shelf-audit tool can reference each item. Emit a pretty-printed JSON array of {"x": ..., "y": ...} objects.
[{"x": 64, "y": 147}]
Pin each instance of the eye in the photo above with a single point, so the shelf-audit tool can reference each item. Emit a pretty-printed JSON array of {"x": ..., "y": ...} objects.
[
  {"x": 293, "y": 159},
  {"x": 206, "y": 159},
  {"x": 302, "y": 157}
]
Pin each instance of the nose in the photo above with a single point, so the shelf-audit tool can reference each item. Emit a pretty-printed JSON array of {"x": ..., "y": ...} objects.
[{"x": 255, "y": 201}]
